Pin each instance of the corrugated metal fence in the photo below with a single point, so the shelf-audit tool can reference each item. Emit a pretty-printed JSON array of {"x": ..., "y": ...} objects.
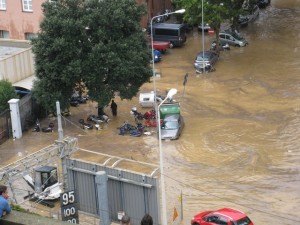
[
  {"x": 130, "y": 192},
  {"x": 5, "y": 125},
  {"x": 18, "y": 66}
]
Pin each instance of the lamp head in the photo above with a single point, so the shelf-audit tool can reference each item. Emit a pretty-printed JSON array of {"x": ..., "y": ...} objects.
[
  {"x": 171, "y": 93},
  {"x": 180, "y": 11}
]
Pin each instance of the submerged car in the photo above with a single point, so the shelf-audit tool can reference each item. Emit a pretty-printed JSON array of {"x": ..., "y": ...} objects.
[
  {"x": 172, "y": 126},
  {"x": 232, "y": 38},
  {"x": 263, "y": 3},
  {"x": 205, "y": 28},
  {"x": 205, "y": 59},
  {"x": 157, "y": 56},
  {"x": 225, "y": 216},
  {"x": 249, "y": 15}
]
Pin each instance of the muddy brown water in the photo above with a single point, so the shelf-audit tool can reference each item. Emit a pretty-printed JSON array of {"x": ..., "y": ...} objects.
[{"x": 240, "y": 146}]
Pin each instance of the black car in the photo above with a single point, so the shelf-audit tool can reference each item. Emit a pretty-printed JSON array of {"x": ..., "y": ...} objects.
[
  {"x": 263, "y": 3},
  {"x": 249, "y": 15}
]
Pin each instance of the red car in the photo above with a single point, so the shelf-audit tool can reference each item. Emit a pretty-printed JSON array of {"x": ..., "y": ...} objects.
[
  {"x": 161, "y": 46},
  {"x": 223, "y": 216}
]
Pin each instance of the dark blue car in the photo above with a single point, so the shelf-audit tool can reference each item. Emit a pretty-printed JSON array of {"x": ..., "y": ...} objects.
[{"x": 157, "y": 56}]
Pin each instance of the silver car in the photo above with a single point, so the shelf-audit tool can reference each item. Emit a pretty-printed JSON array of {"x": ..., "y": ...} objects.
[
  {"x": 232, "y": 38},
  {"x": 205, "y": 59},
  {"x": 172, "y": 126}
]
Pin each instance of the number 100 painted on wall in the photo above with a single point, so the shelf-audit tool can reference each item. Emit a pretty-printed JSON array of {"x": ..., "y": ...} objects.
[{"x": 69, "y": 209}]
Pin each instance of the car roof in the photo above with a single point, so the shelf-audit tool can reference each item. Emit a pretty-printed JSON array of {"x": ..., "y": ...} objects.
[
  {"x": 206, "y": 53},
  {"x": 231, "y": 213},
  {"x": 171, "y": 117},
  {"x": 167, "y": 25}
]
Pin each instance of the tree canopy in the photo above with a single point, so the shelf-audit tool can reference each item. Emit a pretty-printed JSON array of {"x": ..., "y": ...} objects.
[
  {"x": 7, "y": 92},
  {"x": 96, "y": 43}
]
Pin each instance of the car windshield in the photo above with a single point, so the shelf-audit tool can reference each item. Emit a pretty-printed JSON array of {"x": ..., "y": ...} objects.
[
  {"x": 243, "y": 221},
  {"x": 170, "y": 125},
  {"x": 237, "y": 36},
  {"x": 200, "y": 56}
]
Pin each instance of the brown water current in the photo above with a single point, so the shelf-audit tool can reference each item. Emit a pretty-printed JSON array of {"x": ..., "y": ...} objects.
[{"x": 240, "y": 147}]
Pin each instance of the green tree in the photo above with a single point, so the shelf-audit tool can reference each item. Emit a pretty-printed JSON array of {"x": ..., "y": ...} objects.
[
  {"x": 98, "y": 43},
  {"x": 7, "y": 92}
]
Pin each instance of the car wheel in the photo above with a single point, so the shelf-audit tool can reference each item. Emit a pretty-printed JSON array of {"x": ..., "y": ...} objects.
[
  {"x": 171, "y": 45},
  {"x": 195, "y": 224},
  {"x": 237, "y": 46}
]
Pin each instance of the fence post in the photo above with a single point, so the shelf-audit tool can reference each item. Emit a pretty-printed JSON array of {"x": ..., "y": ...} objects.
[{"x": 101, "y": 183}]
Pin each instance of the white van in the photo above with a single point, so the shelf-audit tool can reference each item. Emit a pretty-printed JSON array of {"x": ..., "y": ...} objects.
[{"x": 147, "y": 99}]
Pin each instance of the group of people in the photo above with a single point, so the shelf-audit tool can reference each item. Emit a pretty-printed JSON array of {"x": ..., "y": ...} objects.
[
  {"x": 147, "y": 220},
  {"x": 4, "y": 206}
]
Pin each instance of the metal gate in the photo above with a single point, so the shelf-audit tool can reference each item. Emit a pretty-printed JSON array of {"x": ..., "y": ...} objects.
[{"x": 5, "y": 126}]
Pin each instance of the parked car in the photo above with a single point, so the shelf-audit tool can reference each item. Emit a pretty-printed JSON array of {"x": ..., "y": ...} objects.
[
  {"x": 248, "y": 15},
  {"x": 172, "y": 126},
  {"x": 161, "y": 46},
  {"x": 205, "y": 28},
  {"x": 170, "y": 32},
  {"x": 225, "y": 216},
  {"x": 206, "y": 58},
  {"x": 157, "y": 56},
  {"x": 232, "y": 38},
  {"x": 263, "y": 3}
]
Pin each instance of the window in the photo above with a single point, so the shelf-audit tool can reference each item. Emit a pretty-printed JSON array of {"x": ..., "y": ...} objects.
[
  {"x": 223, "y": 221},
  {"x": 4, "y": 34},
  {"x": 29, "y": 36},
  {"x": 168, "y": 32},
  {"x": 27, "y": 5},
  {"x": 2, "y": 4}
]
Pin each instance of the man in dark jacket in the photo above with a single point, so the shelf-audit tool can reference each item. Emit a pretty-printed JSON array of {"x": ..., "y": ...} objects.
[{"x": 113, "y": 107}]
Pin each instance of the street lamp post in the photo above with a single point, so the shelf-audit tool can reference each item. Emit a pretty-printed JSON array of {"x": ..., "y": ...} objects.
[
  {"x": 170, "y": 94},
  {"x": 203, "y": 65},
  {"x": 152, "y": 47}
]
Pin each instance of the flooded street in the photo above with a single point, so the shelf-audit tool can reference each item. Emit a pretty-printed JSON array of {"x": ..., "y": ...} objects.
[{"x": 240, "y": 146}]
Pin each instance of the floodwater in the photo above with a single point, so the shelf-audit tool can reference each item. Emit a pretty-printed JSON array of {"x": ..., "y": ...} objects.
[{"x": 240, "y": 147}]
